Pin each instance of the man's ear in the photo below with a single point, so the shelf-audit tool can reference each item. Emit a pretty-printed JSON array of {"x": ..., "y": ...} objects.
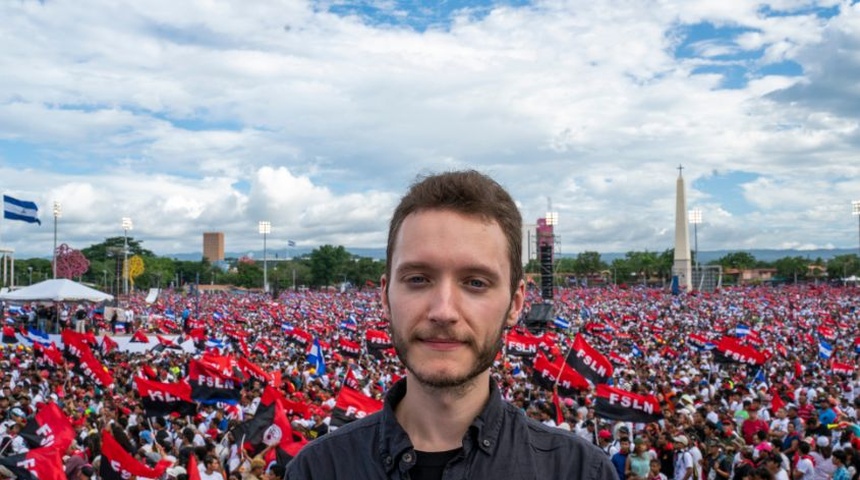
[
  {"x": 518, "y": 300},
  {"x": 383, "y": 284}
]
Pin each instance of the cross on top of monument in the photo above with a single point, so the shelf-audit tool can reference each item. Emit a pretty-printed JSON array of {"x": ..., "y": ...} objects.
[{"x": 680, "y": 170}]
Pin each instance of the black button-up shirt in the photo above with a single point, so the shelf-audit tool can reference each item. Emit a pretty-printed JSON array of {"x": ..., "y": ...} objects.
[{"x": 501, "y": 443}]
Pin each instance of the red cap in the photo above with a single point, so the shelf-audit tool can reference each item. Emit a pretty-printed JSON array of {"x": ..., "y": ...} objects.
[{"x": 604, "y": 434}]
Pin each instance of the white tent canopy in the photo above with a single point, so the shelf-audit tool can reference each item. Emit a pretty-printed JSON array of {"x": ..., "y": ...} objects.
[{"x": 57, "y": 290}]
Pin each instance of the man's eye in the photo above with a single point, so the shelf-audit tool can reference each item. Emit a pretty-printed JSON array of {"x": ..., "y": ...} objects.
[
  {"x": 416, "y": 280},
  {"x": 477, "y": 283}
]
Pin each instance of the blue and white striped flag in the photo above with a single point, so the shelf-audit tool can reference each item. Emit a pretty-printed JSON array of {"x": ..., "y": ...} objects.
[
  {"x": 14, "y": 209},
  {"x": 825, "y": 350},
  {"x": 635, "y": 351},
  {"x": 215, "y": 343},
  {"x": 34, "y": 335},
  {"x": 742, "y": 330},
  {"x": 287, "y": 327},
  {"x": 561, "y": 323},
  {"x": 291, "y": 243},
  {"x": 316, "y": 358}
]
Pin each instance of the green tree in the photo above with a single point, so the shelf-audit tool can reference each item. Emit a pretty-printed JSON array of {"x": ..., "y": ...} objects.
[
  {"x": 328, "y": 265},
  {"x": 112, "y": 245},
  {"x": 588, "y": 263},
  {"x": 363, "y": 269},
  {"x": 739, "y": 260},
  {"x": 843, "y": 266},
  {"x": 791, "y": 267}
]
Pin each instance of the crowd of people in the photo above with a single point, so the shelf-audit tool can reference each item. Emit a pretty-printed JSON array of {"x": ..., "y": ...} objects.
[{"x": 792, "y": 416}]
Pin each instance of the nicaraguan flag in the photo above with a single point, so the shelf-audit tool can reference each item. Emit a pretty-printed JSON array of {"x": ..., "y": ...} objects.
[
  {"x": 316, "y": 358},
  {"x": 561, "y": 323},
  {"x": 15, "y": 310},
  {"x": 742, "y": 330},
  {"x": 349, "y": 323},
  {"x": 825, "y": 350},
  {"x": 170, "y": 314},
  {"x": 759, "y": 377},
  {"x": 291, "y": 243},
  {"x": 287, "y": 327},
  {"x": 34, "y": 335},
  {"x": 635, "y": 351},
  {"x": 14, "y": 209},
  {"x": 584, "y": 312},
  {"x": 214, "y": 343},
  {"x": 217, "y": 315}
]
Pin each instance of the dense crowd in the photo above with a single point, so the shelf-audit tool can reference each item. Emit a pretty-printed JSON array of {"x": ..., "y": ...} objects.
[{"x": 792, "y": 415}]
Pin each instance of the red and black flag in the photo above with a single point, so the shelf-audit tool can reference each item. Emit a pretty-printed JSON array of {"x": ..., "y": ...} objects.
[
  {"x": 843, "y": 368},
  {"x": 118, "y": 464},
  {"x": 378, "y": 342},
  {"x": 300, "y": 337},
  {"x": 139, "y": 337},
  {"x": 617, "y": 404},
  {"x": 160, "y": 399},
  {"x": 731, "y": 350},
  {"x": 165, "y": 343},
  {"x": 352, "y": 405},
  {"x": 38, "y": 464},
  {"x": 108, "y": 345},
  {"x": 49, "y": 427},
  {"x": 589, "y": 362},
  {"x": 75, "y": 344},
  {"x": 50, "y": 355},
  {"x": 348, "y": 348},
  {"x": 521, "y": 344},
  {"x": 556, "y": 406},
  {"x": 270, "y": 426},
  {"x": 91, "y": 368},
  {"x": 252, "y": 370},
  {"x": 211, "y": 384},
  {"x": 547, "y": 374},
  {"x": 9, "y": 334},
  {"x": 351, "y": 381}
]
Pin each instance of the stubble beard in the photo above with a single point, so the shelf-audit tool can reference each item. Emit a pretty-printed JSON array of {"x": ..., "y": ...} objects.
[{"x": 485, "y": 355}]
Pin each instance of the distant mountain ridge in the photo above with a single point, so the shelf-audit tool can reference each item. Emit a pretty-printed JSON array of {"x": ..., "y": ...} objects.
[{"x": 766, "y": 255}]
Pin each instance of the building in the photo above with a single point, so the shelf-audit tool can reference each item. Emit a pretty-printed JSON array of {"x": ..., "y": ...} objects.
[{"x": 213, "y": 246}]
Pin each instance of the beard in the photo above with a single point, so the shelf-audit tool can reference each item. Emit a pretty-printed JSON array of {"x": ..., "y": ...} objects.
[{"x": 485, "y": 354}]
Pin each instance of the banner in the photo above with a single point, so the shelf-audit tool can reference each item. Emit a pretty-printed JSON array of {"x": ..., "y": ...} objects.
[
  {"x": 730, "y": 350},
  {"x": 118, "y": 464},
  {"x": 617, "y": 404},
  {"x": 546, "y": 375},
  {"x": 160, "y": 399},
  {"x": 38, "y": 464},
  {"x": 348, "y": 348},
  {"x": 23, "y": 210},
  {"x": 352, "y": 405},
  {"x": 521, "y": 344},
  {"x": 589, "y": 362},
  {"x": 210, "y": 385},
  {"x": 49, "y": 427}
]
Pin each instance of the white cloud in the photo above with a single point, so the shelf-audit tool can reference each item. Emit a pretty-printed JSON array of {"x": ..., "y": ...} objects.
[{"x": 212, "y": 116}]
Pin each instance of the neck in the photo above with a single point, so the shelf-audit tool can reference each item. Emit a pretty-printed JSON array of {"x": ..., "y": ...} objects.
[{"x": 436, "y": 419}]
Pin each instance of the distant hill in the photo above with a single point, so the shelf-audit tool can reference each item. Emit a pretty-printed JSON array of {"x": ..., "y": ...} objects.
[{"x": 705, "y": 256}]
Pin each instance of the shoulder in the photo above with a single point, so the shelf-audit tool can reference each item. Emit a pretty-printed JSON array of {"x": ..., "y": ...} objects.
[
  {"x": 343, "y": 447},
  {"x": 555, "y": 450}
]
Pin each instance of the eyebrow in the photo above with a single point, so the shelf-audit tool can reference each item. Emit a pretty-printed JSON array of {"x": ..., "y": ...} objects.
[{"x": 474, "y": 269}]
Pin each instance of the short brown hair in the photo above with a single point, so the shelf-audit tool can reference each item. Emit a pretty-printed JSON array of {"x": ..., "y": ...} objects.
[{"x": 470, "y": 193}]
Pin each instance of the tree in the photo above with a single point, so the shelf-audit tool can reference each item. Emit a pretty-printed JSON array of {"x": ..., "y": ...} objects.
[
  {"x": 362, "y": 270},
  {"x": 843, "y": 266},
  {"x": 328, "y": 264},
  {"x": 791, "y": 267},
  {"x": 113, "y": 244},
  {"x": 738, "y": 260},
  {"x": 588, "y": 263}
]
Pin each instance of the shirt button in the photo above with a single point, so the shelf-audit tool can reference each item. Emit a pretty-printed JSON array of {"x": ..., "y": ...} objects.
[
  {"x": 388, "y": 460},
  {"x": 407, "y": 457},
  {"x": 486, "y": 442}
]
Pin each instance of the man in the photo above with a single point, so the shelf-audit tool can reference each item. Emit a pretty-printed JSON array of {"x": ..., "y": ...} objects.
[
  {"x": 753, "y": 425},
  {"x": 684, "y": 466},
  {"x": 453, "y": 283}
]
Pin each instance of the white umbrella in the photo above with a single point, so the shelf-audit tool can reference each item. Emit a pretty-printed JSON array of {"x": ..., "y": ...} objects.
[{"x": 56, "y": 290}]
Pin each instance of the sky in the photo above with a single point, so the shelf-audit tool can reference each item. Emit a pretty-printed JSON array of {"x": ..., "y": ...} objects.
[{"x": 213, "y": 115}]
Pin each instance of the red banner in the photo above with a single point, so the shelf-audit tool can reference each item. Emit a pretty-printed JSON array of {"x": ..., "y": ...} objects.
[
  {"x": 589, "y": 362},
  {"x": 521, "y": 344},
  {"x": 118, "y": 464},
  {"x": 730, "y": 350},
  {"x": 161, "y": 399},
  {"x": 617, "y": 404},
  {"x": 352, "y": 405},
  {"x": 50, "y": 427}
]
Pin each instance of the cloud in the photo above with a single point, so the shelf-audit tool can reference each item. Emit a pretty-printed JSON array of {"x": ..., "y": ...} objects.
[{"x": 315, "y": 116}]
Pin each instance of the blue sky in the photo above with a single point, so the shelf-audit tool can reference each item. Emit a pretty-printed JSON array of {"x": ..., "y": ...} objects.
[{"x": 315, "y": 115}]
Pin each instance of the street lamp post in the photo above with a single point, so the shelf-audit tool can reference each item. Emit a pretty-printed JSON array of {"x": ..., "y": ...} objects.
[
  {"x": 126, "y": 226},
  {"x": 58, "y": 211},
  {"x": 30, "y": 270},
  {"x": 855, "y": 210},
  {"x": 265, "y": 228},
  {"x": 696, "y": 219}
]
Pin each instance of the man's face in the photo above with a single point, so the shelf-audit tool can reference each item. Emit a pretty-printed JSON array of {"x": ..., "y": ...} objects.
[{"x": 448, "y": 298}]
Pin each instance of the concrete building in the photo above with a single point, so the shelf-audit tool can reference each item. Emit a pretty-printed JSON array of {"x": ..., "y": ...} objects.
[
  {"x": 682, "y": 268},
  {"x": 213, "y": 246}
]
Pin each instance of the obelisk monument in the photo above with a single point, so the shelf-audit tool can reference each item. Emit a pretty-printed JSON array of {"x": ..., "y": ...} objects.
[{"x": 682, "y": 268}]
